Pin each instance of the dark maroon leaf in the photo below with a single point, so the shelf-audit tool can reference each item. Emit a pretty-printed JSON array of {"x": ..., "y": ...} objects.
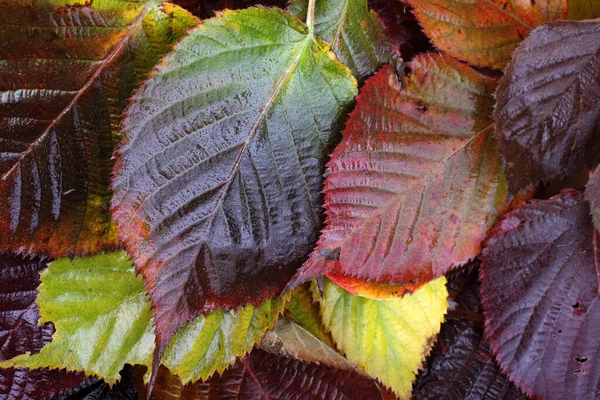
[
  {"x": 94, "y": 389},
  {"x": 265, "y": 376},
  {"x": 461, "y": 365},
  {"x": 548, "y": 111},
  {"x": 20, "y": 333},
  {"x": 540, "y": 296},
  {"x": 402, "y": 26}
]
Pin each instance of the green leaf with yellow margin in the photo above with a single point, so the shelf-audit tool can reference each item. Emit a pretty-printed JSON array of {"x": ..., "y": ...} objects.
[
  {"x": 390, "y": 338},
  {"x": 102, "y": 315}
]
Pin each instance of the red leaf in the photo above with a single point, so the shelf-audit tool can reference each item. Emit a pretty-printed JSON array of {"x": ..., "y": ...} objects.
[
  {"x": 416, "y": 182},
  {"x": 265, "y": 376},
  {"x": 20, "y": 333},
  {"x": 540, "y": 297}
]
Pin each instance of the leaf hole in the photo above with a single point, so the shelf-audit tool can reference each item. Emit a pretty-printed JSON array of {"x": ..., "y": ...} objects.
[
  {"x": 576, "y": 306},
  {"x": 581, "y": 360},
  {"x": 579, "y": 372}
]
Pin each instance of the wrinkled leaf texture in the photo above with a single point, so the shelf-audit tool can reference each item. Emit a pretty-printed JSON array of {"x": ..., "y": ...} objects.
[
  {"x": 389, "y": 339},
  {"x": 264, "y": 376},
  {"x": 20, "y": 333},
  {"x": 461, "y": 365},
  {"x": 416, "y": 182},
  {"x": 103, "y": 320},
  {"x": 218, "y": 181},
  {"x": 592, "y": 195},
  {"x": 548, "y": 111},
  {"x": 66, "y": 72},
  {"x": 540, "y": 297},
  {"x": 354, "y": 32},
  {"x": 483, "y": 33}
]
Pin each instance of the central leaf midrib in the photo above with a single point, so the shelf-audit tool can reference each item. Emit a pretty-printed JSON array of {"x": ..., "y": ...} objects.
[{"x": 261, "y": 116}]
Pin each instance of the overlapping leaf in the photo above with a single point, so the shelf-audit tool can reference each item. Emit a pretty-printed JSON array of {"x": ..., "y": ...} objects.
[
  {"x": 304, "y": 310},
  {"x": 218, "y": 182},
  {"x": 354, "y": 32},
  {"x": 548, "y": 112},
  {"x": 265, "y": 376},
  {"x": 592, "y": 194},
  {"x": 540, "y": 297},
  {"x": 66, "y": 72},
  {"x": 484, "y": 32},
  {"x": 389, "y": 339},
  {"x": 416, "y": 182},
  {"x": 101, "y": 313},
  {"x": 20, "y": 333},
  {"x": 461, "y": 365},
  {"x": 102, "y": 316},
  {"x": 583, "y": 9}
]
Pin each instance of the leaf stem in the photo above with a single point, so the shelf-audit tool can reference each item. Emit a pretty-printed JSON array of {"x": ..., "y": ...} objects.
[{"x": 310, "y": 17}]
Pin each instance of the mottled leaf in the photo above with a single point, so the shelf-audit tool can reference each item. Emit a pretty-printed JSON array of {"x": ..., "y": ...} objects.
[
  {"x": 20, "y": 333},
  {"x": 484, "y": 33},
  {"x": 218, "y": 183},
  {"x": 304, "y": 310},
  {"x": 389, "y": 339},
  {"x": 66, "y": 72},
  {"x": 265, "y": 376},
  {"x": 213, "y": 342},
  {"x": 548, "y": 111},
  {"x": 101, "y": 313},
  {"x": 289, "y": 339},
  {"x": 540, "y": 297},
  {"x": 461, "y": 365},
  {"x": 583, "y": 9},
  {"x": 416, "y": 182},
  {"x": 354, "y": 32}
]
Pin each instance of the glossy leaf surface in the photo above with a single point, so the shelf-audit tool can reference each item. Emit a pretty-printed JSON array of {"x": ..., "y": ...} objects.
[
  {"x": 416, "y": 182},
  {"x": 484, "y": 33},
  {"x": 461, "y": 365},
  {"x": 540, "y": 297},
  {"x": 101, "y": 313},
  {"x": 548, "y": 112},
  {"x": 389, "y": 339},
  {"x": 354, "y": 32},
  {"x": 265, "y": 376},
  {"x": 20, "y": 333},
  {"x": 66, "y": 72},
  {"x": 218, "y": 182}
]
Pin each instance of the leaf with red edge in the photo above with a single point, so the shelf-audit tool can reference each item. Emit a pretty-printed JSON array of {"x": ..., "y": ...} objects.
[
  {"x": 461, "y": 365},
  {"x": 416, "y": 182},
  {"x": 540, "y": 297},
  {"x": 20, "y": 333},
  {"x": 484, "y": 33},
  {"x": 265, "y": 376},
  {"x": 548, "y": 112},
  {"x": 66, "y": 72}
]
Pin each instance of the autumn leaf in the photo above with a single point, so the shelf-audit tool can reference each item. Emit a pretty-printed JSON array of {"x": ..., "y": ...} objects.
[
  {"x": 540, "y": 297},
  {"x": 303, "y": 309},
  {"x": 265, "y": 376},
  {"x": 592, "y": 195},
  {"x": 483, "y": 33},
  {"x": 354, "y": 32},
  {"x": 66, "y": 72},
  {"x": 103, "y": 321},
  {"x": 416, "y": 182},
  {"x": 218, "y": 181},
  {"x": 20, "y": 333},
  {"x": 548, "y": 111},
  {"x": 461, "y": 365},
  {"x": 583, "y": 9},
  {"x": 387, "y": 338}
]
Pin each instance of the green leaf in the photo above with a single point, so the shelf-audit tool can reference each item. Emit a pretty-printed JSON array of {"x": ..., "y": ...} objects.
[
  {"x": 67, "y": 69},
  {"x": 212, "y": 343},
  {"x": 218, "y": 185},
  {"x": 103, "y": 321},
  {"x": 304, "y": 310},
  {"x": 101, "y": 314},
  {"x": 355, "y": 33},
  {"x": 389, "y": 339}
]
